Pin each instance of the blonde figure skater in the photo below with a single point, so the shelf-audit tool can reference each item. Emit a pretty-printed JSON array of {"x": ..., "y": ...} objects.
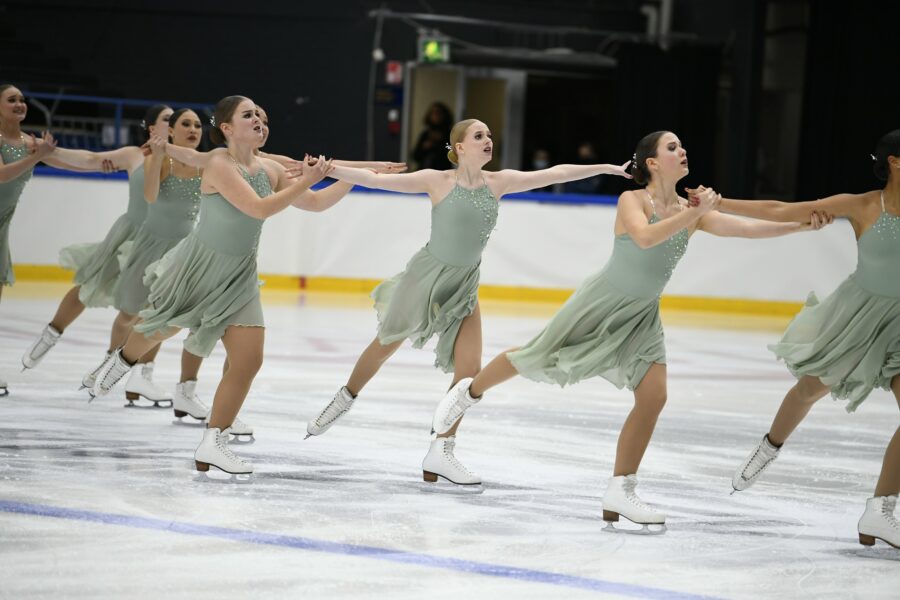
[
  {"x": 610, "y": 326},
  {"x": 437, "y": 294},
  {"x": 848, "y": 344}
]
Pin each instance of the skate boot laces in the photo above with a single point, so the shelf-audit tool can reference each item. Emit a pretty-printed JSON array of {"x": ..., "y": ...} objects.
[
  {"x": 48, "y": 340},
  {"x": 628, "y": 486},
  {"x": 761, "y": 459},
  {"x": 337, "y": 407},
  {"x": 222, "y": 445},
  {"x": 887, "y": 509},
  {"x": 449, "y": 446},
  {"x": 115, "y": 373},
  {"x": 460, "y": 405}
]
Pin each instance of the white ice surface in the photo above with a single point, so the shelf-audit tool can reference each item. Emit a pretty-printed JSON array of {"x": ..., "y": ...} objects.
[{"x": 544, "y": 453}]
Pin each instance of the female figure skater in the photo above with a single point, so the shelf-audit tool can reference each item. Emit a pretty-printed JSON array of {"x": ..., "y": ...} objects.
[
  {"x": 173, "y": 193},
  {"x": 96, "y": 265},
  {"x": 437, "y": 294},
  {"x": 18, "y": 156},
  {"x": 849, "y": 344},
  {"x": 186, "y": 401},
  {"x": 208, "y": 283},
  {"x": 610, "y": 326}
]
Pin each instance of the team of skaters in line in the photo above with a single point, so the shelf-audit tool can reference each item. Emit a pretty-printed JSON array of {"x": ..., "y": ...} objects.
[{"x": 183, "y": 256}]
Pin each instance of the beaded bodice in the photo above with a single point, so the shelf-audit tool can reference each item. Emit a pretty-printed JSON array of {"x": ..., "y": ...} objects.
[
  {"x": 224, "y": 228},
  {"x": 12, "y": 190},
  {"x": 174, "y": 213},
  {"x": 878, "y": 257},
  {"x": 461, "y": 224},
  {"x": 644, "y": 272}
]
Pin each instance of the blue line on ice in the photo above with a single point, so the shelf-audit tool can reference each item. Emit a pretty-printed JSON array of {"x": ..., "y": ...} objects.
[{"x": 398, "y": 556}]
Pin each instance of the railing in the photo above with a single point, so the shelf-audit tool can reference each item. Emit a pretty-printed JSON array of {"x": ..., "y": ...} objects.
[{"x": 98, "y": 132}]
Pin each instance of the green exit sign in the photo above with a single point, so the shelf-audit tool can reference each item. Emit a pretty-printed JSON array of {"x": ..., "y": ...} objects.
[{"x": 434, "y": 49}]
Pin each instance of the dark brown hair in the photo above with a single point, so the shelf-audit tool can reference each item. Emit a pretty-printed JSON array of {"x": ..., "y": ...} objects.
[
  {"x": 223, "y": 113},
  {"x": 646, "y": 148},
  {"x": 888, "y": 145},
  {"x": 151, "y": 116}
]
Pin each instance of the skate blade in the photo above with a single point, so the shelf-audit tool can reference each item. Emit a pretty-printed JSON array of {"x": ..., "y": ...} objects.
[
  {"x": 242, "y": 439},
  {"x": 153, "y": 404},
  {"x": 645, "y": 529},
  {"x": 445, "y": 486},
  {"x": 195, "y": 424},
  {"x": 223, "y": 478}
]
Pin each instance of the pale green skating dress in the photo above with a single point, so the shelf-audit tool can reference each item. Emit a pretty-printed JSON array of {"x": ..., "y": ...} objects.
[
  {"x": 439, "y": 287},
  {"x": 169, "y": 220},
  {"x": 209, "y": 282},
  {"x": 610, "y": 326},
  {"x": 98, "y": 265},
  {"x": 851, "y": 340},
  {"x": 10, "y": 192}
]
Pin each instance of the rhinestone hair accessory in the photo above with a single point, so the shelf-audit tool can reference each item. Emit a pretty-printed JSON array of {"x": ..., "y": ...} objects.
[
  {"x": 448, "y": 146},
  {"x": 143, "y": 124},
  {"x": 212, "y": 120},
  {"x": 873, "y": 158}
]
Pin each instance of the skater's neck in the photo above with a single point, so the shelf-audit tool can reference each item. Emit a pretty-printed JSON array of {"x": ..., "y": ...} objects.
[
  {"x": 11, "y": 132},
  {"x": 662, "y": 191},
  {"x": 469, "y": 176},
  {"x": 242, "y": 154}
]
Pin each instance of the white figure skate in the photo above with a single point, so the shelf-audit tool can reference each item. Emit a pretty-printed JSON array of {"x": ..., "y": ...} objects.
[{"x": 620, "y": 499}]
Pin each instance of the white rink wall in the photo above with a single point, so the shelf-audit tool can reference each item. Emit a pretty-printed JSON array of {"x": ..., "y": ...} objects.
[{"x": 372, "y": 235}]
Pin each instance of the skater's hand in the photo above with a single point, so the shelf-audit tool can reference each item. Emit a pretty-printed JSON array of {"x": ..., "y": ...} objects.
[
  {"x": 315, "y": 170},
  {"x": 44, "y": 145},
  {"x": 108, "y": 166},
  {"x": 703, "y": 199},
  {"x": 157, "y": 144},
  {"x": 388, "y": 167},
  {"x": 621, "y": 171},
  {"x": 817, "y": 220}
]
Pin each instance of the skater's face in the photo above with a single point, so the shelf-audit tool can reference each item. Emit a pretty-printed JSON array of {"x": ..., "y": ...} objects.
[
  {"x": 12, "y": 106},
  {"x": 245, "y": 126},
  {"x": 476, "y": 147},
  {"x": 264, "y": 120},
  {"x": 187, "y": 130},
  {"x": 162, "y": 121},
  {"x": 670, "y": 162}
]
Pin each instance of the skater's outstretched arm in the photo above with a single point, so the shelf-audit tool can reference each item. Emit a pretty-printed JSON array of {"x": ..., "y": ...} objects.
[
  {"x": 510, "y": 181},
  {"x": 840, "y": 205},
  {"x": 420, "y": 182},
  {"x": 723, "y": 225},
  {"x": 126, "y": 158}
]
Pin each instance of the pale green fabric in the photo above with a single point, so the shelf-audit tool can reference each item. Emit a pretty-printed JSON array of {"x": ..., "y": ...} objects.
[
  {"x": 10, "y": 192},
  {"x": 610, "y": 326},
  {"x": 851, "y": 340},
  {"x": 439, "y": 287},
  {"x": 168, "y": 221},
  {"x": 97, "y": 265},
  {"x": 209, "y": 282}
]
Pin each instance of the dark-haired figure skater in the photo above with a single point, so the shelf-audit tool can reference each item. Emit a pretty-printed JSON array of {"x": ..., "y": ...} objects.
[{"x": 848, "y": 344}]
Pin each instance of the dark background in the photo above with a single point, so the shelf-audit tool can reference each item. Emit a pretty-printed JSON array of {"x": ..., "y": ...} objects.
[{"x": 737, "y": 81}]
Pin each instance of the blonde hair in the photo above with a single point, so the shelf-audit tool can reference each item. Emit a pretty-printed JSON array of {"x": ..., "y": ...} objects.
[{"x": 457, "y": 134}]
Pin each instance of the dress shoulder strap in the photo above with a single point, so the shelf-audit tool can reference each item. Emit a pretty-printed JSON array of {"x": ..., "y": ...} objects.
[
  {"x": 652, "y": 204},
  {"x": 882, "y": 201}
]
